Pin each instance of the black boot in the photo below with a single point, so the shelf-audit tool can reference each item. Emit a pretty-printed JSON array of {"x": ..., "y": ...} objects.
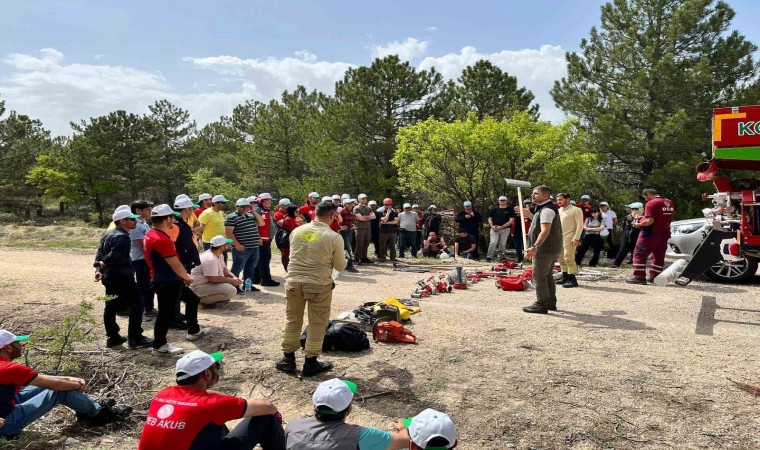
[
  {"x": 535, "y": 309},
  {"x": 571, "y": 282},
  {"x": 287, "y": 363},
  {"x": 312, "y": 366},
  {"x": 564, "y": 278}
]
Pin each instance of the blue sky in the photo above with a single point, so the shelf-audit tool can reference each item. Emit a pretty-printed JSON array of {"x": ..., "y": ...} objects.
[{"x": 68, "y": 60}]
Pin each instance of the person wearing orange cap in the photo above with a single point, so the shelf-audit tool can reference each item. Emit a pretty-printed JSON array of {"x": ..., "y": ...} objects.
[{"x": 388, "y": 230}]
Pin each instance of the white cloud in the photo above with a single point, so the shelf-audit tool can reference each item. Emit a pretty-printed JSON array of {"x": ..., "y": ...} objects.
[
  {"x": 536, "y": 69},
  {"x": 431, "y": 28},
  {"x": 407, "y": 50},
  {"x": 48, "y": 87}
]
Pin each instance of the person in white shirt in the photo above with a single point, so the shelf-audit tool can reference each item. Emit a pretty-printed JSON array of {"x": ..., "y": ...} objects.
[
  {"x": 212, "y": 281},
  {"x": 610, "y": 221}
]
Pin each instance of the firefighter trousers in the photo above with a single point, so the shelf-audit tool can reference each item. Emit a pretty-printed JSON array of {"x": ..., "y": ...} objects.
[
  {"x": 317, "y": 299},
  {"x": 646, "y": 246}
]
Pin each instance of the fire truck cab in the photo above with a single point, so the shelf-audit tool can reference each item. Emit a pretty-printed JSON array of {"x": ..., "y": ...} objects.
[{"x": 732, "y": 227}]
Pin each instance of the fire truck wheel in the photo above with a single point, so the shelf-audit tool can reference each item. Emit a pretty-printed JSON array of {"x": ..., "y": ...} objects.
[{"x": 736, "y": 272}]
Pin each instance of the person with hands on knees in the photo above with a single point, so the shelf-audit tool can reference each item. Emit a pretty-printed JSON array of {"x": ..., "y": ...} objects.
[
  {"x": 328, "y": 428},
  {"x": 191, "y": 416},
  {"x": 169, "y": 279},
  {"x": 212, "y": 280},
  {"x": 25, "y": 395}
]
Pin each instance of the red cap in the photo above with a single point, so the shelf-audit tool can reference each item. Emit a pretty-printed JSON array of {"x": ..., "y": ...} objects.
[{"x": 387, "y": 201}]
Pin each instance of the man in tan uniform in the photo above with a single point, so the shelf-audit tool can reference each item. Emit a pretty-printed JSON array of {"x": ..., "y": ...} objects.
[
  {"x": 571, "y": 218},
  {"x": 315, "y": 250}
]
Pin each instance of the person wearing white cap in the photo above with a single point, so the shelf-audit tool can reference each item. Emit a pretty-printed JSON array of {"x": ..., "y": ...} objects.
[
  {"x": 407, "y": 231},
  {"x": 27, "y": 395},
  {"x": 243, "y": 228},
  {"x": 345, "y": 197},
  {"x": 170, "y": 280},
  {"x": 336, "y": 199},
  {"x": 281, "y": 211},
  {"x": 420, "y": 223},
  {"x": 262, "y": 274},
  {"x": 205, "y": 203},
  {"x": 630, "y": 233},
  {"x": 308, "y": 209},
  {"x": 471, "y": 220},
  {"x": 500, "y": 220},
  {"x": 315, "y": 252},
  {"x": 363, "y": 217},
  {"x": 585, "y": 205},
  {"x": 431, "y": 430},
  {"x": 142, "y": 208},
  {"x": 212, "y": 281},
  {"x": 111, "y": 225},
  {"x": 611, "y": 221},
  {"x": 191, "y": 416},
  {"x": 212, "y": 220},
  {"x": 328, "y": 428},
  {"x": 113, "y": 267},
  {"x": 374, "y": 227}
]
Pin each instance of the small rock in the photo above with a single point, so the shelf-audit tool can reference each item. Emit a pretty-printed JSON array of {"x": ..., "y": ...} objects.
[{"x": 70, "y": 441}]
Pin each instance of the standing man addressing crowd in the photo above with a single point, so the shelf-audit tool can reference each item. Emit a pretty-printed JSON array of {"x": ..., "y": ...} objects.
[
  {"x": 653, "y": 240},
  {"x": 545, "y": 239},
  {"x": 363, "y": 216},
  {"x": 113, "y": 267},
  {"x": 263, "y": 209},
  {"x": 407, "y": 232},
  {"x": 500, "y": 220},
  {"x": 243, "y": 228},
  {"x": 571, "y": 219},
  {"x": 388, "y": 229},
  {"x": 315, "y": 251}
]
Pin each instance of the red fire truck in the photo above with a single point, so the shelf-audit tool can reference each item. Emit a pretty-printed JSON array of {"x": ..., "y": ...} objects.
[{"x": 730, "y": 237}]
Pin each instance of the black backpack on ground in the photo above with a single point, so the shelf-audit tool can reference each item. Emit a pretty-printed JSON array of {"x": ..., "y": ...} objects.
[{"x": 344, "y": 337}]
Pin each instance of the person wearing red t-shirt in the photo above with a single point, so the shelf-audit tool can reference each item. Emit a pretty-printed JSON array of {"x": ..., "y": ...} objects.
[
  {"x": 169, "y": 281},
  {"x": 307, "y": 210},
  {"x": 653, "y": 239},
  {"x": 263, "y": 275},
  {"x": 289, "y": 223},
  {"x": 205, "y": 201},
  {"x": 25, "y": 395},
  {"x": 189, "y": 416}
]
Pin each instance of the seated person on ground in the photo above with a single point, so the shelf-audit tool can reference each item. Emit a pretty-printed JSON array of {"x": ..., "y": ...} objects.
[
  {"x": 328, "y": 428},
  {"x": 212, "y": 281},
  {"x": 25, "y": 395},
  {"x": 189, "y": 416},
  {"x": 430, "y": 430},
  {"x": 434, "y": 245},
  {"x": 465, "y": 245}
]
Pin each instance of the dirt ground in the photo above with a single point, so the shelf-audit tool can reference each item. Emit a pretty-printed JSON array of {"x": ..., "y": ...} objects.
[{"x": 618, "y": 366}]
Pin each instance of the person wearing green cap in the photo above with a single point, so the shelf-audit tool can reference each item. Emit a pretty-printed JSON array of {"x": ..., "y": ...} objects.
[
  {"x": 472, "y": 222},
  {"x": 192, "y": 416},
  {"x": 113, "y": 267},
  {"x": 407, "y": 231},
  {"x": 328, "y": 428},
  {"x": 26, "y": 395}
]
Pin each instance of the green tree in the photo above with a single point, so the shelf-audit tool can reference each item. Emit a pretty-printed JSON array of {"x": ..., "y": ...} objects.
[
  {"x": 22, "y": 139},
  {"x": 361, "y": 122},
  {"x": 645, "y": 85},
  {"x": 174, "y": 158},
  {"x": 468, "y": 160},
  {"x": 216, "y": 147},
  {"x": 486, "y": 90}
]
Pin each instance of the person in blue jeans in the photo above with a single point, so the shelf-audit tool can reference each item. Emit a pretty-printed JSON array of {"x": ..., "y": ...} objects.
[
  {"x": 243, "y": 228},
  {"x": 25, "y": 395}
]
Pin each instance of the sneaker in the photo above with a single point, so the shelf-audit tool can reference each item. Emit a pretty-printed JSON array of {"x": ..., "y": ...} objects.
[
  {"x": 178, "y": 326},
  {"x": 115, "y": 342},
  {"x": 202, "y": 332},
  {"x": 313, "y": 367},
  {"x": 240, "y": 292},
  {"x": 552, "y": 307},
  {"x": 287, "y": 363},
  {"x": 151, "y": 313},
  {"x": 147, "y": 318},
  {"x": 105, "y": 415},
  {"x": 270, "y": 283},
  {"x": 142, "y": 342},
  {"x": 634, "y": 280},
  {"x": 489, "y": 260},
  {"x": 168, "y": 350},
  {"x": 367, "y": 261},
  {"x": 351, "y": 269},
  {"x": 535, "y": 309},
  {"x": 650, "y": 280}
]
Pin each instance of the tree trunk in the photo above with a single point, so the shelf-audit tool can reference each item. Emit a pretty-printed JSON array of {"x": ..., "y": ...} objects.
[
  {"x": 62, "y": 208},
  {"x": 27, "y": 213}
]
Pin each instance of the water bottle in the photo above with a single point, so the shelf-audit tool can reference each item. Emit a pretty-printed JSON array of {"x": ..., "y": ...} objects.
[{"x": 247, "y": 285}]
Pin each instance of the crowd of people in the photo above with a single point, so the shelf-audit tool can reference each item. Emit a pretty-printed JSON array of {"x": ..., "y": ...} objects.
[{"x": 182, "y": 258}]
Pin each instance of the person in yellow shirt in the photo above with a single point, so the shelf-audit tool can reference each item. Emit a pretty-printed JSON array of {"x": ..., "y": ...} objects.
[
  {"x": 212, "y": 220},
  {"x": 571, "y": 219}
]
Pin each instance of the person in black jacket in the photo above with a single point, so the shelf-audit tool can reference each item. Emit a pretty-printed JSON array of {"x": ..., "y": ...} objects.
[
  {"x": 630, "y": 233},
  {"x": 113, "y": 267},
  {"x": 374, "y": 228},
  {"x": 187, "y": 251},
  {"x": 431, "y": 221},
  {"x": 471, "y": 220}
]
